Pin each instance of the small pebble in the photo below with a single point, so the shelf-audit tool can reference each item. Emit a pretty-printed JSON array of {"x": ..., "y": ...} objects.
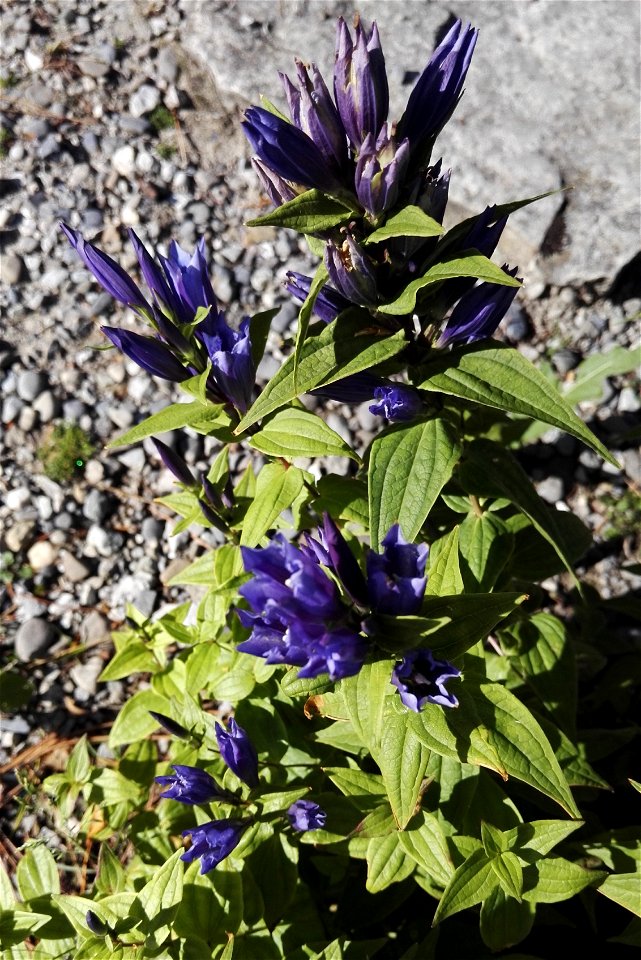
[{"x": 34, "y": 637}]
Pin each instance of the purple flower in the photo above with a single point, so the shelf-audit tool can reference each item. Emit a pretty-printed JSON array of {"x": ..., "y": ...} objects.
[
  {"x": 297, "y": 616},
  {"x": 277, "y": 189},
  {"x": 107, "y": 272},
  {"x": 351, "y": 271},
  {"x": 96, "y": 925},
  {"x": 396, "y": 578},
  {"x": 174, "y": 463},
  {"x": 356, "y": 388},
  {"x": 438, "y": 89},
  {"x": 233, "y": 371},
  {"x": 190, "y": 785},
  {"x": 286, "y": 150},
  {"x": 360, "y": 82},
  {"x": 328, "y": 303},
  {"x": 212, "y": 842},
  {"x": 479, "y": 312},
  {"x": 149, "y": 353},
  {"x": 332, "y": 550},
  {"x": 171, "y": 726},
  {"x": 238, "y": 752},
  {"x": 397, "y": 402},
  {"x": 306, "y": 815},
  {"x": 420, "y": 678},
  {"x": 312, "y": 111},
  {"x": 380, "y": 171}
]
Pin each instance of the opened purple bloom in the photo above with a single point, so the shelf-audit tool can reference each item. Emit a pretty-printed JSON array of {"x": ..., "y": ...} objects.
[
  {"x": 238, "y": 752},
  {"x": 190, "y": 785},
  {"x": 479, "y": 312},
  {"x": 397, "y": 402},
  {"x": 297, "y": 616},
  {"x": 396, "y": 578},
  {"x": 212, "y": 842},
  {"x": 306, "y": 815},
  {"x": 420, "y": 678},
  {"x": 438, "y": 88}
]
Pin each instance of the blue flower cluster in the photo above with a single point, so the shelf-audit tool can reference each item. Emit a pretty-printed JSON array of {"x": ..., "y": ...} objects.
[
  {"x": 299, "y": 617},
  {"x": 181, "y": 291}
]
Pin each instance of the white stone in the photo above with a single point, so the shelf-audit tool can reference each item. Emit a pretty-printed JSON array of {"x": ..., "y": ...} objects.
[
  {"x": 124, "y": 161},
  {"x": 17, "y": 498},
  {"x": 42, "y": 554},
  {"x": 145, "y": 99},
  {"x": 33, "y": 60}
]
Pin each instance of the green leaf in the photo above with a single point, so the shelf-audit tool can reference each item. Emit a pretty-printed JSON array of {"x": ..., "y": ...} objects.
[
  {"x": 342, "y": 348},
  {"x": 509, "y": 872},
  {"x": 79, "y": 765},
  {"x": 259, "y": 327},
  {"x": 16, "y": 925},
  {"x": 294, "y": 432},
  {"x": 541, "y": 836},
  {"x": 449, "y": 625},
  {"x": 471, "y": 883},
  {"x": 364, "y": 696},
  {"x": 354, "y": 783},
  {"x": 387, "y": 863},
  {"x": 554, "y": 879},
  {"x": 344, "y": 498},
  {"x": 157, "y": 902},
  {"x": 592, "y": 372},
  {"x": 411, "y": 221},
  {"x": 487, "y": 465},
  {"x": 409, "y": 466},
  {"x": 134, "y": 658},
  {"x": 172, "y": 418},
  {"x": 623, "y": 888},
  {"x": 7, "y": 895},
  {"x": 499, "y": 376},
  {"x": 444, "y": 571},
  {"x": 423, "y": 840},
  {"x": 465, "y": 264},
  {"x": 402, "y": 760},
  {"x": 277, "y": 487},
  {"x": 110, "y": 787},
  {"x": 111, "y": 875},
  {"x": 37, "y": 873},
  {"x": 505, "y": 921},
  {"x": 309, "y": 212},
  {"x": 494, "y": 841},
  {"x": 545, "y": 660},
  {"x": 134, "y": 720},
  {"x": 491, "y": 728},
  {"x": 485, "y": 545}
]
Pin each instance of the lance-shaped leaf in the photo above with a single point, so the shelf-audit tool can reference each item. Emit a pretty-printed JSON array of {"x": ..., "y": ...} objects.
[
  {"x": 409, "y": 466},
  {"x": 425, "y": 842},
  {"x": 295, "y": 432},
  {"x": 492, "y": 728},
  {"x": 444, "y": 571},
  {"x": 309, "y": 212},
  {"x": 504, "y": 920},
  {"x": 466, "y": 264},
  {"x": 177, "y": 415},
  {"x": 276, "y": 489},
  {"x": 623, "y": 888},
  {"x": 157, "y": 902},
  {"x": 411, "y": 221},
  {"x": 471, "y": 883},
  {"x": 402, "y": 760},
  {"x": 499, "y": 376},
  {"x": 305, "y": 314},
  {"x": 387, "y": 863},
  {"x": 343, "y": 347},
  {"x": 552, "y": 879}
]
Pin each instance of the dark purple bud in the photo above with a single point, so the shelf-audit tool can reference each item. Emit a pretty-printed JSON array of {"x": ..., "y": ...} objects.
[
  {"x": 327, "y": 305},
  {"x": 190, "y": 785},
  {"x": 306, "y": 815},
  {"x": 213, "y": 841},
  {"x": 286, "y": 150},
  {"x": 356, "y": 388},
  {"x": 420, "y": 678},
  {"x": 397, "y": 402},
  {"x": 351, "y": 271},
  {"x": 438, "y": 89},
  {"x": 277, "y": 189},
  {"x": 360, "y": 82},
  {"x": 174, "y": 463},
  {"x": 380, "y": 171},
  {"x": 154, "y": 276},
  {"x": 312, "y": 110},
  {"x": 107, "y": 272},
  {"x": 479, "y": 312},
  {"x": 432, "y": 190},
  {"x": 171, "y": 726},
  {"x": 95, "y": 924},
  {"x": 485, "y": 233},
  {"x": 149, "y": 353},
  {"x": 238, "y": 752},
  {"x": 396, "y": 578},
  {"x": 341, "y": 560}
]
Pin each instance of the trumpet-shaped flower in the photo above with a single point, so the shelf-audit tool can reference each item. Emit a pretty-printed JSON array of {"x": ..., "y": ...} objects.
[
  {"x": 238, "y": 752},
  {"x": 397, "y": 402},
  {"x": 351, "y": 271},
  {"x": 479, "y": 312},
  {"x": 306, "y": 815},
  {"x": 420, "y": 678},
  {"x": 380, "y": 171},
  {"x": 396, "y": 577},
  {"x": 190, "y": 785},
  {"x": 213, "y": 841}
]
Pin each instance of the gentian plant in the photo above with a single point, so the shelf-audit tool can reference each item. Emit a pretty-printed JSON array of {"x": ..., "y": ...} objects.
[{"x": 364, "y": 740}]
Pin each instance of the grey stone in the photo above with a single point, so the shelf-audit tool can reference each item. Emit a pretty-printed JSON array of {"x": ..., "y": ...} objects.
[
  {"x": 72, "y": 568},
  {"x": 123, "y": 161},
  {"x": 166, "y": 64},
  {"x": 34, "y": 636},
  {"x": 27, "y": 419},
  {"x": 11, "y": 407},
  {"x": 46, "y": 406},
  {"x": 97, "y": 506},
  {"x": 94, "y": 627},
  {"x": 48, "y": 147},
  {"x": 30, "y": 384},
  {"x": 85, "y": 675},
  {"x": 565, "y": 360},
  {"x": 145, "y": 99},
  {"x": 63, "y": 521},
  {"x": 17, "y": 498},
  {"x": 551, "y": 489},
  {"x": 19, "y": 535},
  {"x": 152, "y": 529},
  {"x": 11, "y": 268}
]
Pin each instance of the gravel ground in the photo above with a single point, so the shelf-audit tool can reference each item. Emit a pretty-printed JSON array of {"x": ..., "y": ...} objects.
[{"x": 106, "y": 125}]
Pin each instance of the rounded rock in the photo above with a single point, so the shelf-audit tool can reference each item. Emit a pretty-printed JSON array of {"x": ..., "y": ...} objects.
[
  {"x": 145, "y": 99},
  {"x": 97, "y": 506},
  {"x": 11, "y": 267},
  {"x": 34, "y": 636},
  {"x": 31, "y": 384}
]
